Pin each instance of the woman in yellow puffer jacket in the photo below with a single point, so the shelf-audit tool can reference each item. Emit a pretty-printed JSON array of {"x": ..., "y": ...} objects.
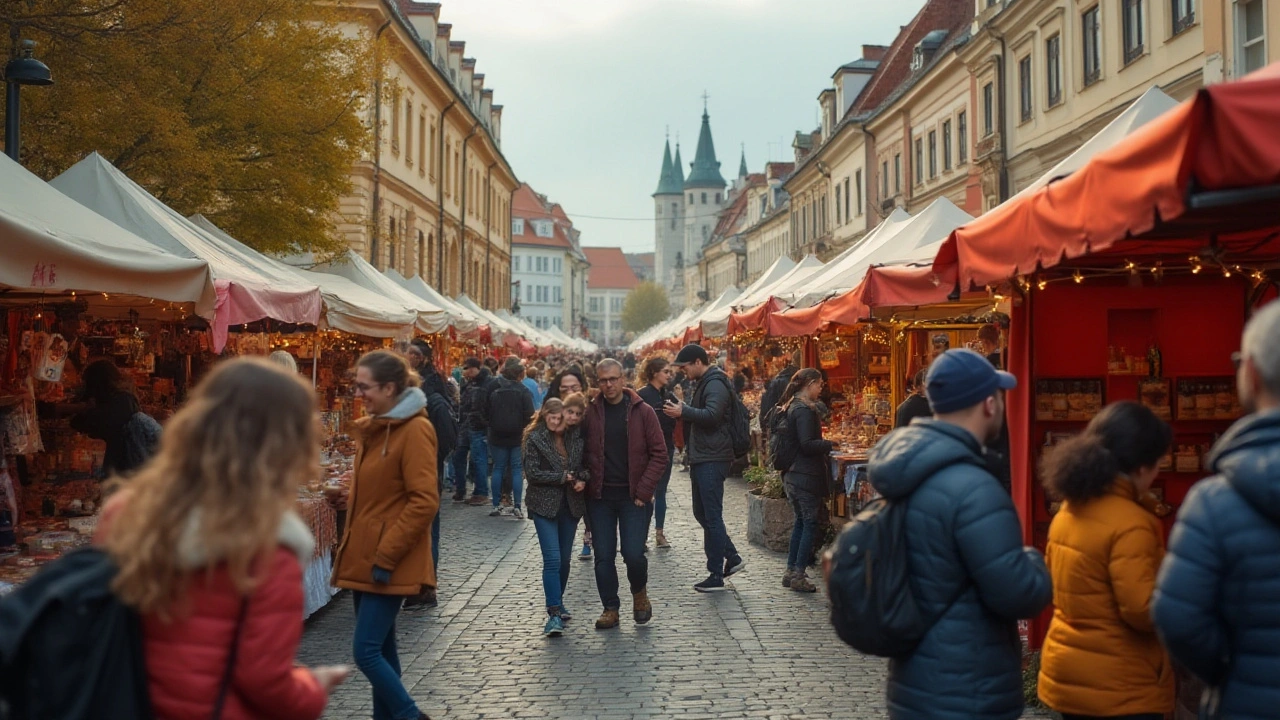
[{"x": 1101, "y": 657}]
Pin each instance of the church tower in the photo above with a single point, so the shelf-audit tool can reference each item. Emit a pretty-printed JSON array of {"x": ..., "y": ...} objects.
[
  {"x": 668, "y": 219},
  {"x": 704, "y": 192}
]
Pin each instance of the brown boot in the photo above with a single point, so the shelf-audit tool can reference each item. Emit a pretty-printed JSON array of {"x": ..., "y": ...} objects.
[
  {"x": 608, "y": 619},
  {"x": 800, "y": 583},
  {"x": 643, "y": 609}
]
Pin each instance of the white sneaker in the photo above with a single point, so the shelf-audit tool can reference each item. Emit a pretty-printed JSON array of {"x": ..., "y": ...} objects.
[{"x": 515, "y": 514}]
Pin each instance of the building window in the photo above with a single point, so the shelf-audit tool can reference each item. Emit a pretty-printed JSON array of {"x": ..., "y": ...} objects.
[
  {"x": 543, "y": 228},
  {"x": 918, "y": 168},
  {"x": 1251, "y": 34},
  {"x": 897, "y": 173},
  {"x": 555, "y": 266},
  {"x": 836, "y": 190},
  {"x": 946, "y": 145},
  {"x": 408, "y": 132},
  {"x": 1132, "y": 26},
  {"x": 395, "y": 124},
  {"x": 962, "y": 136},
  {"x": 557, "y": 293},
  {"x": 857, "y": 192},
  {"x": 1184, "y": 15},
  {"x": 884, "y": 178},
  {"x": 422, "y": 145},
  {"x": 1092, "y": 32},
  {"x": 933, "y": 154},
  {"x": 847, "y": 216},
  {"x": 1024, "y": 88},
  {"x": 988, "y": 109},
  {"x": 515, "y": 264},
  {"x": 1053, "y": 69},
  {"x": 704, "y": 198},
  {"x": 675, "y": 212},
  {"x": 517, "y": 228},
  {"x": 717, "y": 198},
  {"x": 432, "y": 150},
  {"x": 391, "y": 245}
]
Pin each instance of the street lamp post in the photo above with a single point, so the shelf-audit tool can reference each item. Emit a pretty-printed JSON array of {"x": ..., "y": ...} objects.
[{"x": 21, "y": 70}]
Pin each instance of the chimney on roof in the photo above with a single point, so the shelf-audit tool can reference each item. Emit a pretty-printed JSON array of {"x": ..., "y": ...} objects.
[
  {"x": 874, "y": 52},
  {"x": 443, "y": 30}
]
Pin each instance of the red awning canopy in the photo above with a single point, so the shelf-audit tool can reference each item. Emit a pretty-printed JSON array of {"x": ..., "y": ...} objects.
[
  {"x": 1206, "y": 173},
  {"x": 754, "y": 319}
]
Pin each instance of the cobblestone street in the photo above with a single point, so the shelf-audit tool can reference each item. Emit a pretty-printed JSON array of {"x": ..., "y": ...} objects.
[{"x": 760, "y": 652}]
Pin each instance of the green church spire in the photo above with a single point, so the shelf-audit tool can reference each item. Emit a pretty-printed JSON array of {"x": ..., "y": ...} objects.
[
  {"x": 742, "y": 164},
  {"x": 705, "y": 171},
  {"x": 677, "y": 165},
  {"x": 668, "y": 183}
]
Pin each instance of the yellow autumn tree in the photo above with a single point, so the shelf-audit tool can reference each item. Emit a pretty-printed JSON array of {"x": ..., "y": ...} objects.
[
  {"x": 646, "y": 305},
  {"x": 248, "y": 111}
]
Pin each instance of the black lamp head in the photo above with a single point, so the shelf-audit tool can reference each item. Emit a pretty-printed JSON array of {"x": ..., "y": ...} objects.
[{"x": 26, "y": 70}]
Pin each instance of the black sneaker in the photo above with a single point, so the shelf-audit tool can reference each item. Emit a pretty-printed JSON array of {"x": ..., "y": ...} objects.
[
  {"x": 459, "y": 497},
  {"x": 713, "y": 583},
  {"x": 734, "y": 565}
]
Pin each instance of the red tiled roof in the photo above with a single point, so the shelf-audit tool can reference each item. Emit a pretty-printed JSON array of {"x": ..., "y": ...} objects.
[
  {"x": 730, "y": 216},
  {"x": 895, "y": 67},
  {"x": 528, "y": 205},
  {"x": 779, "y": 169},
  {"x": 609, "y": 269}
]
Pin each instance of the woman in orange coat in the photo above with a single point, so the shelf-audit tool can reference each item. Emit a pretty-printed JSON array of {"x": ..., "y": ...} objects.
[
  {"x": 1101, "y": 657},
  {"x": 385, "y": 553},
  {"x": 210, "y": 551}
]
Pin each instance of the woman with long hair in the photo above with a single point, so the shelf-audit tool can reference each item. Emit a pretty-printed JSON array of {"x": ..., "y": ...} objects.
[
  {"x": 385, "y": 553},
  {"x": 554, "y": 468},
  {"x": 210, "y": 551},
  {"x": 566, "y": 382},
  {"x": 655, "y": 373},
  {"x": 805, "y": 481},
  {"x": 1101, "y": 657}
]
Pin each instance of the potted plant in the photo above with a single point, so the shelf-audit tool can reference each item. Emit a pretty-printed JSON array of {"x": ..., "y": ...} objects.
[{"x": 769, "y": 516}]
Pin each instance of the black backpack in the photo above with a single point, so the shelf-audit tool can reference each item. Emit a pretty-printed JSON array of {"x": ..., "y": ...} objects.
[
  {"x": 739, "y": 421},
  {"x": 873, "y": 606},
  {"x": 506, "y": 414},
  {"x": 440, "y": 413},
  {"x": 784, "y": 448},
  {"x": 69, "y": 649}
]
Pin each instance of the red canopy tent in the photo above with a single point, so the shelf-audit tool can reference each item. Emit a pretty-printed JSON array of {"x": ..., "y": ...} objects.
[{"x": 754, "y": 319}]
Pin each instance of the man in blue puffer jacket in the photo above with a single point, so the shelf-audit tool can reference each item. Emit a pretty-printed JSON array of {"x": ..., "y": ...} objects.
[
  {"x": 1217, "y": 599},
  {"x": 969, "y": 568}
]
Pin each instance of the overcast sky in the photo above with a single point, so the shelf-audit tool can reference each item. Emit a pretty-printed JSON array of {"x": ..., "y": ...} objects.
[{"x": 590, "y": 86}]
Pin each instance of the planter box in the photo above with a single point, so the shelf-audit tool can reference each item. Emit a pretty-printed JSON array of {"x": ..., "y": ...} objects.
[{"x": 769, "y": 522}]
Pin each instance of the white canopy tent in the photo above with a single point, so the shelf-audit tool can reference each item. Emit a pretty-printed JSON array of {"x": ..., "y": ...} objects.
[
  {"x": 716, "y": 322},
  {"x": 497, "y": 326},
  {"x": 247, "y": 288},
  {"x": 805, "y": 270},
  {"x": 463, "y": 320},
  {"x": 665, "y": 329},
  {"x": 49, "y": 243},
  {"x": 431, "y": 318},
  {"x": 835, "y": 277},
  {"x": 723, "y": 302}
]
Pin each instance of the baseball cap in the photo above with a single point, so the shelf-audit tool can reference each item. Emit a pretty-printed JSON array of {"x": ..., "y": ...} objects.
[
  {"x": 962, "y": 378},
  {"x": 690, "y": 353}
]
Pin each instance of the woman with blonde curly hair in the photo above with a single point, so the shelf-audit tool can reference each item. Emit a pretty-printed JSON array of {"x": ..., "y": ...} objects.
[{"x": 210, "y": 551}]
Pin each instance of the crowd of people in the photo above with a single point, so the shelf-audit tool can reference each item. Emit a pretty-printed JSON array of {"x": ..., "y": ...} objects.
[{"x": 209, "y": 552}]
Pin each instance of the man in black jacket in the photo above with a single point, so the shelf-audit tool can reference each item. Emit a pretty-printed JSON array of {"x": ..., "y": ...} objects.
[
  {"x": 709, "y": 447},
  {"x": 510, "y": 408},
  {"x": 473, "y": 429}
]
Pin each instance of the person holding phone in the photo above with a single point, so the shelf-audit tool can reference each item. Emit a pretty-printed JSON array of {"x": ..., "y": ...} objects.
[{"x": 656, "y": 375}]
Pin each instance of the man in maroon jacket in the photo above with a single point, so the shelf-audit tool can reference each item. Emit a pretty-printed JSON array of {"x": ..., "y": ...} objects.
[{"x": 626, "y": 456}]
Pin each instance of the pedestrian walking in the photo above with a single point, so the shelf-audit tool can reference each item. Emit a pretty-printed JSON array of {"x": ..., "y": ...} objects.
[
  {"x": 709, "y": 449},
  {"x": 1218, "y": 593},
  {"x": 554, "y": 467},
  {"x": 530, "y": 381},
  {"x": 568, "y": 382},
  {"x": 626, "y": 458},
  {"x": 385, "y": 552},
  {"x": 973, "y": 578},
  {"x": 1101, "y": 657},
  {"x": 655, "y": 373},
  {"x": 440, "y": 411},
  {"x": 510, "y": 411},
  {"x": 210, "y": 551},
  {"x": 474, "y": 442},
  {"x": 806, "y": 480}
]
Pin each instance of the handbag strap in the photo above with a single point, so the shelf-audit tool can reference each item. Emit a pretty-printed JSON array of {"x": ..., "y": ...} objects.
[{"x": 225, "y": 685}]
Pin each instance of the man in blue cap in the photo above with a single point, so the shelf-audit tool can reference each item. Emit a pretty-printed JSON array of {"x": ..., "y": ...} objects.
[{"x": 972, "y": 575}]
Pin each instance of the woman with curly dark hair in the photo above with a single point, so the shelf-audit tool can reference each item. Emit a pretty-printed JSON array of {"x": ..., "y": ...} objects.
[{"x": 1101, "y": 657}]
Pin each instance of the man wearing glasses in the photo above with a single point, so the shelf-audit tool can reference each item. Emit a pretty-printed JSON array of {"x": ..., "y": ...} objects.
[{"x": 626, "y": 457}]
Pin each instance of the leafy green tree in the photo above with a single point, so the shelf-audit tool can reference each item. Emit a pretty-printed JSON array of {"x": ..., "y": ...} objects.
[
  {"x": 646, "y": 306},
  {"x": 250, "y": 112}
]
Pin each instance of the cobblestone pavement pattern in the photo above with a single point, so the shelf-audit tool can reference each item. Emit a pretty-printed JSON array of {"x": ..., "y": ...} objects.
[{"x": 760, "y": 651}]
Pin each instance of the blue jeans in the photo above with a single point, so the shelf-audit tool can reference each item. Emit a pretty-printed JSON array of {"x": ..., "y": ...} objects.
[
  {"x": 660, "y": 494},
  {"x": 609, "y": 520},
  {"x": 504, "y": 457},
  {"x": 555, "y": 537},
  {"x": 374, "y": 648},
  {"x": 708, "y": 510},
  {"x": 477, "y": 445},
  {"x": 804, "y": 505}
]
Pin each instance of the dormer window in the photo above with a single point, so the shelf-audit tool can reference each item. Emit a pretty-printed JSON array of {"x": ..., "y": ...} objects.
[{"x": 542, "y": 228}]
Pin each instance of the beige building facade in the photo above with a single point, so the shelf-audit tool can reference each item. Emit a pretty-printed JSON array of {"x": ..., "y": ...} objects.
[
  {"x": 1240, "y": 36},
  {"x": 433, "y": 197}
]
